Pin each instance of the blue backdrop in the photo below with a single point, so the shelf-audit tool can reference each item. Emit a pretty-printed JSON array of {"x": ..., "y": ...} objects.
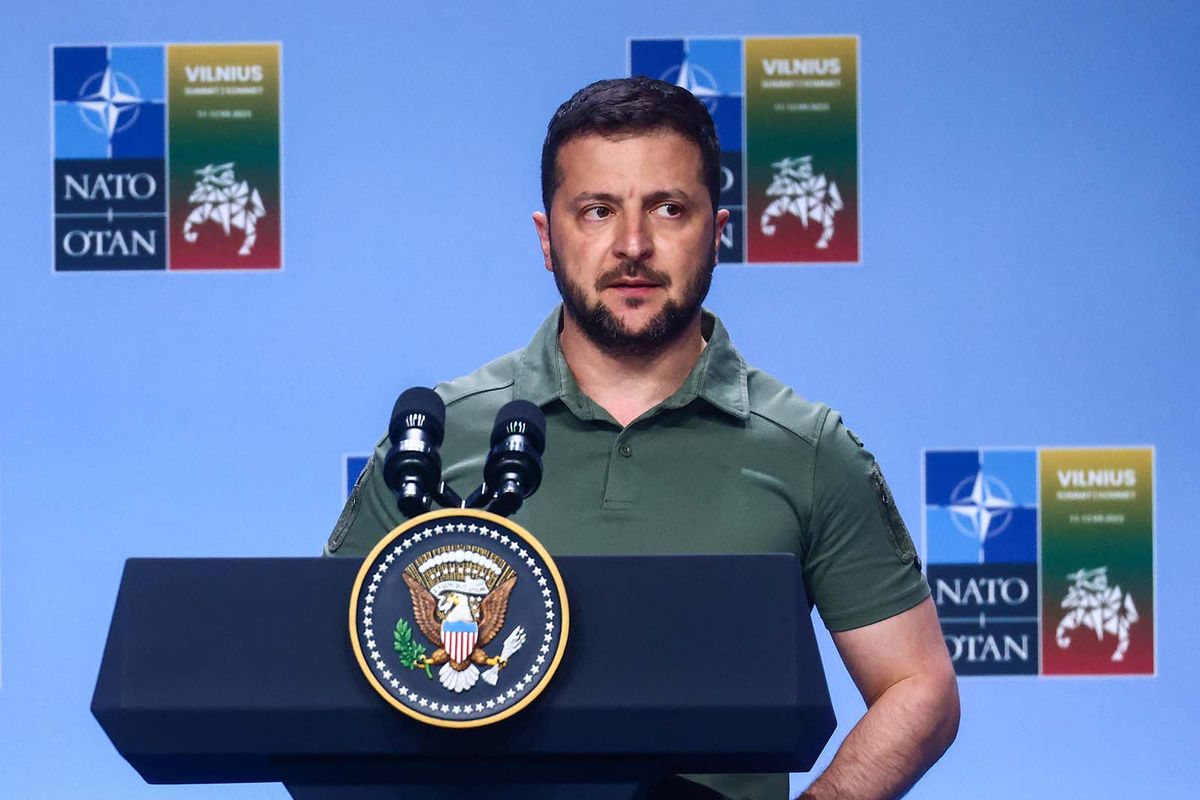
[{"x": 1030, "y": 277}]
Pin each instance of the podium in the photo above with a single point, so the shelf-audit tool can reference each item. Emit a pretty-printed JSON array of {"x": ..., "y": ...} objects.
[{"x": 241, "y": 670}]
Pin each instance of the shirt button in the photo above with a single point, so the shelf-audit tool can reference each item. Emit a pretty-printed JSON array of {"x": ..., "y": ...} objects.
[{"x": 625, "y": 449}]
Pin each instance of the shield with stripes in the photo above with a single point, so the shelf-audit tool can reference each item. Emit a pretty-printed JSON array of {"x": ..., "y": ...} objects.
[{"x": 458, "y": 637}]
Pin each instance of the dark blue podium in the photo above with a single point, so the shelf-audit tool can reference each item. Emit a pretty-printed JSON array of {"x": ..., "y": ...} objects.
[{"x": 240, "y": 670}]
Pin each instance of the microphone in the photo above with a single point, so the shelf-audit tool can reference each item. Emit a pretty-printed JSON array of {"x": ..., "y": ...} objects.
[
  {"x": 513, "y": 470},
  {"x": 413, "y": 468}
]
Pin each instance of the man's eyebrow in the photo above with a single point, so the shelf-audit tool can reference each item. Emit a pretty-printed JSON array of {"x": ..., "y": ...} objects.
[
  {"x": 654, "y": 198},
  {"x": 594, "y": 197},
  {"x": 662, "y": 195}
]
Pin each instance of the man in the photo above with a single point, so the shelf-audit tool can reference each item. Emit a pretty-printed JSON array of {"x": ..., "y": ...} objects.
[{"x": 661, "y": 439}]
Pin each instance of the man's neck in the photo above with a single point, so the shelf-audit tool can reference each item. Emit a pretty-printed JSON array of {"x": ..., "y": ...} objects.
[{"x": 628, "y": 386}]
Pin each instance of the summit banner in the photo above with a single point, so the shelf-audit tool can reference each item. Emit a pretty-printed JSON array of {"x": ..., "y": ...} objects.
[
  {"x": 1041, "y": 560},
  {"x": 1098, "y": 609},
  {"x": 167, "y": 157},
  {"x": 786, "y": 112}
]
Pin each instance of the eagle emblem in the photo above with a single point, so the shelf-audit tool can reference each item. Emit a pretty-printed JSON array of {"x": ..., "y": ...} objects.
[
  {"x": 459, "y": 618},
  {"x": 459, "y": 601}
]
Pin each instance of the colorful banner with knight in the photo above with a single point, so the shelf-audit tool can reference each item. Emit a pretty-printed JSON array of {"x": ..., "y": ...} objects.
[
  {"x": 1041, "y": 560},
  {"x": 167, "y": 157},
  {"x": 786, "y": 112}
]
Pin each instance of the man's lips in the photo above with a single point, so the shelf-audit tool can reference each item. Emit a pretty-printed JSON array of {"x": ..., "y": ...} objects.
[{"x": 633, "y": 283}]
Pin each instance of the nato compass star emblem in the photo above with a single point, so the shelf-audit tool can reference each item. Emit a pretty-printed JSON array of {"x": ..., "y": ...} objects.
[
  {"x": 981, "y": 507},
  {"x": 459, "y": 618},
  {"x": 697, "y": 80},
  {"x": 109, "y": 102}
]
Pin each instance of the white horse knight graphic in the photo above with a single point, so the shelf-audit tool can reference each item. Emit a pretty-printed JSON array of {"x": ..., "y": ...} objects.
[
  {"x": 1096, "y": 605},
  {"x": 800, "y": 193},
  {"x": 220, "y": 197}
]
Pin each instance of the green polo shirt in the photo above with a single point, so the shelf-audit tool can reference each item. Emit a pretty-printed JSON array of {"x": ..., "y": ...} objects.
[{"x": 732, "y": 462}]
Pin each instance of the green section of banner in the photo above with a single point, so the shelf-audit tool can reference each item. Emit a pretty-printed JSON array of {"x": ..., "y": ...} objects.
[
  {"x": 1097, "y": 541},
  {"x": 224, "y": 156},
  {"x": 802, "y": 197}
]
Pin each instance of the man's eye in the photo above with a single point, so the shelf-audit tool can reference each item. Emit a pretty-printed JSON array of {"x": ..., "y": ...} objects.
[
  {"x": 597, "y": 212},
  {"x": 669, "y": 210}
]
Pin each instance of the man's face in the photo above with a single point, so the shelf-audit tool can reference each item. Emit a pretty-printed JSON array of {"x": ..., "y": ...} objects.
[{"x": 631, "y": 238}]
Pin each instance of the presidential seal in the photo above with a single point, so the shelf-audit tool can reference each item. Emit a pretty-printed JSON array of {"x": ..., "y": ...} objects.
[{"x": 459, "y": 618}]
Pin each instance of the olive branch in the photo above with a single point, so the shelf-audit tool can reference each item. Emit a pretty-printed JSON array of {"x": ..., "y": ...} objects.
[{"x": 412, "y": 655}]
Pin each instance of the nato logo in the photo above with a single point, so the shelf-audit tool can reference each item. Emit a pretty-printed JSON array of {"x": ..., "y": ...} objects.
[
  {"x": 109, "y": 153},
  {"x": 711, "y": 69},
  {"x": 981, "y": 535}
]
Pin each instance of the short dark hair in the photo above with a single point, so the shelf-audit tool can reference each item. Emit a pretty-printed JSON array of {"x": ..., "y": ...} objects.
[{"x": 630, "y": 106}]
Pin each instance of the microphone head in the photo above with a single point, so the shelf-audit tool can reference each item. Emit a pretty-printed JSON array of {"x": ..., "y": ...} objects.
[
  {"x": 513, "y": 470},
  {"x": 520, "y": 418},
  {"x": 421, "y": 408}
]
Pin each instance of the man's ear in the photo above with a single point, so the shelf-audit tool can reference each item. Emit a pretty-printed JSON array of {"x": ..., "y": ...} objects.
[
  {"x": 720, "y": 222},
  {"x": 542, "y": 223}
]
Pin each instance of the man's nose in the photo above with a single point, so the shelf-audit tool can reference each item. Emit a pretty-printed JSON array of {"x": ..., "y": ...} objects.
[{"x": 634, "y": 242}]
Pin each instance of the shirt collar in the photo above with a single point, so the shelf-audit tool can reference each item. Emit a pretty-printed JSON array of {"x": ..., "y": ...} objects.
[{"x": 719, "y": 375}]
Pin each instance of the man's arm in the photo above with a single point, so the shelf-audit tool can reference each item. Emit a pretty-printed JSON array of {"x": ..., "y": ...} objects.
[{"x": 903, "y": 671}]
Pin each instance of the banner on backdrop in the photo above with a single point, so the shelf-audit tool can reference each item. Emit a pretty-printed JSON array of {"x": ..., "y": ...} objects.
[
  {"x": 786, "y": 111},
  {"x": 1041, "y": 560},
  {"x": 167, "y": 157}
]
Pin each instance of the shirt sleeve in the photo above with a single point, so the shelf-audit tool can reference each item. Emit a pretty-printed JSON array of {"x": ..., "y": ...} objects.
[
  {"x": 861, "y": 566},
  {"x": 370, "y": 512}
]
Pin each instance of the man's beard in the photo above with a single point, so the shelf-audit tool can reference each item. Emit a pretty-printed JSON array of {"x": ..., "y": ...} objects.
[{"x": 607, "y": 332}]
